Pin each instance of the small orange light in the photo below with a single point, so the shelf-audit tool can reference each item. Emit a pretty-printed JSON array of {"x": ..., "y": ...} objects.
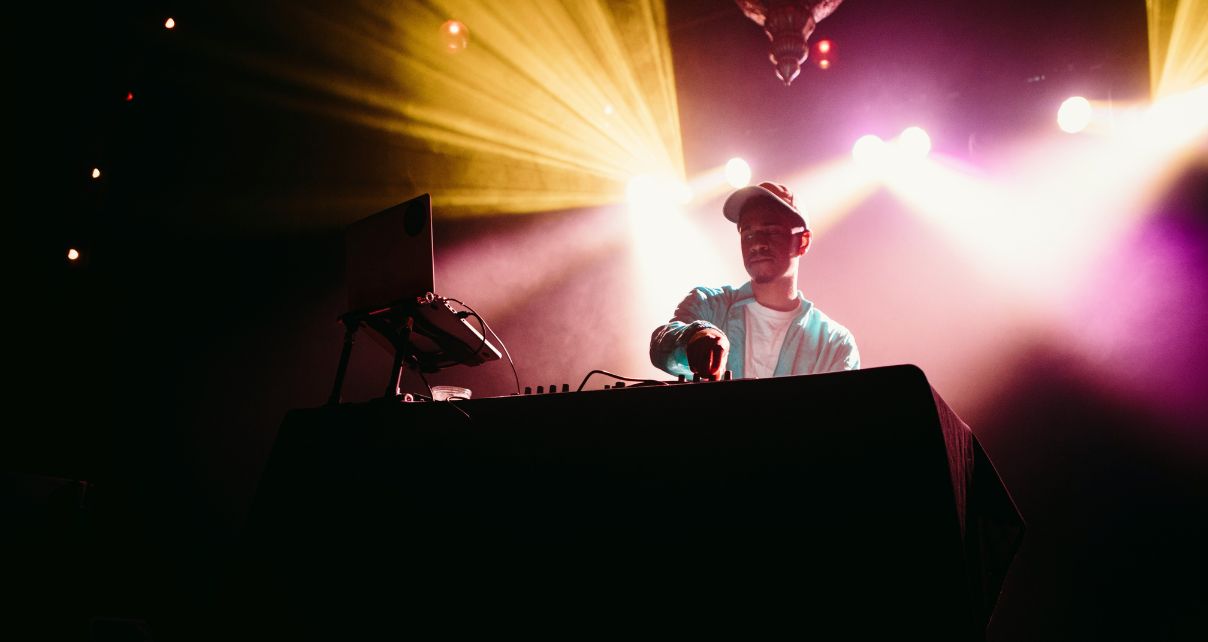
[
  {"x": 824, "y": 63},
  {"x": 454, "y": 35},
  {"x": 73, "y": 254},
  {"x": 96, "y": 172},
  {"x": 169, "y": 24}
]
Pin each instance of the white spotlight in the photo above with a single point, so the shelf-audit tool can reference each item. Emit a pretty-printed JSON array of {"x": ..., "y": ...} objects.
[
  {"x": 1176, "y": 119},
  {"x": 868, "y": 150},
  {"x": 1074, "y": 115},
  {"x": 738, "y": 173},
  {"x": 640, "y": 189},
  {"x": 647, "y": 191},
  {"x": 915, "y": 142}
]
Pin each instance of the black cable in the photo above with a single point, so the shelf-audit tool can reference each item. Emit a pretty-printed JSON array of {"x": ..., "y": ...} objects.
[
  {"x": 504, "y": 347},
  {"x": 430, "y": 398},
  {"x": 482, "y": 324},
  {"x": 485, "y": 329},
  {"x": 425, "y": 380},
  {"x": 652, "y": 382},
  {"x": 449, "y": 402},
  {"x": 452, "y": 403}
]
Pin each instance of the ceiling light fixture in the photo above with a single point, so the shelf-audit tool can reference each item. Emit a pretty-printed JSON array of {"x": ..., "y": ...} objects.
[{"x": 788, "y": 24}]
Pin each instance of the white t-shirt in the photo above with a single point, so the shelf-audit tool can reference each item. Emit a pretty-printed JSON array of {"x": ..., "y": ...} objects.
[{"x": 765, "y": 333}]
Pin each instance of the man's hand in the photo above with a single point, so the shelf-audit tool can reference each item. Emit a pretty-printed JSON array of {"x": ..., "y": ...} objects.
[{"x": 707, "y": 351}]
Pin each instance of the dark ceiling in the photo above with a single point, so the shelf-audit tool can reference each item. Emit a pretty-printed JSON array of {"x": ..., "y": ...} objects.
[
  {"x": 210, "y": 161},
  {"x": 993, "y": 68}
]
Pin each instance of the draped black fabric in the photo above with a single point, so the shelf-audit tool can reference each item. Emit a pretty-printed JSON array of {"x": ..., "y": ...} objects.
[
  {"x": 991, "y": 527},
  {"x": 855, "y": 502}
]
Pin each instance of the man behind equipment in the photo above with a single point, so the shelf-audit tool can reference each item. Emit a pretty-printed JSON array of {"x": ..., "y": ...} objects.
[{"x": 766, "y": 328}]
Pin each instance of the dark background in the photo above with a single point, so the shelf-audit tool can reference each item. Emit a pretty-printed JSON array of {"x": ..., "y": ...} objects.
[{"x": 160, "y": 368}]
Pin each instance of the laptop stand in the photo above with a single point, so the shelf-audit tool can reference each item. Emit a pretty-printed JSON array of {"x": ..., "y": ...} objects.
[{"x": 424, "y": 333}]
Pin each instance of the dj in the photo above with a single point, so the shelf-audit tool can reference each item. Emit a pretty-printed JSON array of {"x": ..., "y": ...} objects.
[{"x": 767, "y": 327}]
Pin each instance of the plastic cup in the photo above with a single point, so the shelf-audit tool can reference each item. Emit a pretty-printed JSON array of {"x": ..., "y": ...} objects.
[{"x": 446, "y": 393}]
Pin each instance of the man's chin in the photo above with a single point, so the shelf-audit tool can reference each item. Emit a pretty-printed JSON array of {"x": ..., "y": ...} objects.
[{"x": 761, "y": 277}]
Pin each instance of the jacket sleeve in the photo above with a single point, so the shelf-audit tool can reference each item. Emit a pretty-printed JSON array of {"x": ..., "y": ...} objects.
[
  {"x": 668, "y": 341},
  {"x": 846, "y": 356}
]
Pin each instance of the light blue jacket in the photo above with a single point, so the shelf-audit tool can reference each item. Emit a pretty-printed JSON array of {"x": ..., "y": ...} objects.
[{"x": 813, "y": 344}]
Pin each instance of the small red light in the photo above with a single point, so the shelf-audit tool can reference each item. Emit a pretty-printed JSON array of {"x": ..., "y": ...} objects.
[
  {"x": 129, "y": 96},
  {"x": 824, "y": 46}
]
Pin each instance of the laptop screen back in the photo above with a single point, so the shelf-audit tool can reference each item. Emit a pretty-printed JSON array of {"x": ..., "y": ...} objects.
[{"x": 389, "y": 256}]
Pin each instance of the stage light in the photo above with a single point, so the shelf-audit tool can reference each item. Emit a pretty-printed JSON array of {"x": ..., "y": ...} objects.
[
  {"x": 96, "y": 172},
  {"x": 1085, "y": 193},
  {"x": 531, "y": 113},
  {"x": 788, "y": 26},
  {"x": 869, "y": 150},
  {"x": 640, "y": 189},
  {"x": 824, "y": 54},
  {"x": 129, "y": 96},
  {"x": 1173, "y": 121},
  {"x": 1074, "y": 115},
  {"x": 454, "y": 35},
  {"x": 1178, "y": 46},
  {"x": 517, "y": 127},
  {"x": 169, "y": 24},
  {"x": 73, "y": 254},
  {"x": 915, "y": 142},
  {"x": 738, "y": 172},
  {"x": 647, "y": 192}
]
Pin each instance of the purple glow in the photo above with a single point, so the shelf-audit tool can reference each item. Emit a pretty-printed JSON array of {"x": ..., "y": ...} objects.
[{"x": 1140, "y": 318}]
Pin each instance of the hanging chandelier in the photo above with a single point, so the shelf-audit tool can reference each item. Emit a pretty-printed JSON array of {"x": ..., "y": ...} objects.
[{"x": 788, "y": 24}]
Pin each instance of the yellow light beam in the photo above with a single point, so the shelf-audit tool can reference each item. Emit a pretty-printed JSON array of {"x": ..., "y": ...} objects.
[
  {"x": 1178, "y": 45},
  {"x": 550, "y": 105},
  {"x": 585, "y": 88}
]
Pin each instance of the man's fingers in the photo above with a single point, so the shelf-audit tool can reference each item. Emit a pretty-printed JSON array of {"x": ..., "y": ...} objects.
[{"x": 707, "y": 354}]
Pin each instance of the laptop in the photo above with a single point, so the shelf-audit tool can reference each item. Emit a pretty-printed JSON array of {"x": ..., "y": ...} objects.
[{"x": 389, "y": 269}]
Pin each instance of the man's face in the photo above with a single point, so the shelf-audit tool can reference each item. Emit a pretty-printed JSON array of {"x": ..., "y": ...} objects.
[{"x": 771, "y": 241}]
